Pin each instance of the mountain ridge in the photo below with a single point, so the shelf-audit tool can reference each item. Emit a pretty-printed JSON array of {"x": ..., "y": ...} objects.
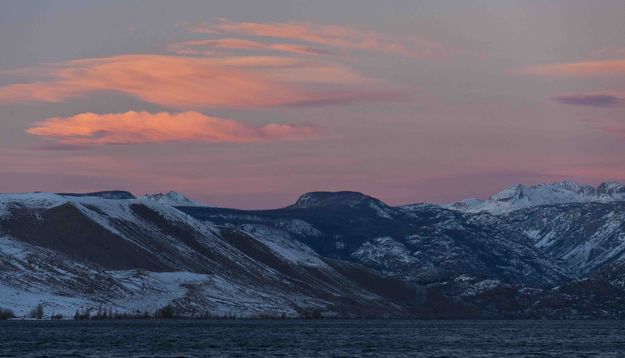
[
  {"x": 520, "y": 196},
  {"x": 334, "y": 253},
  {"x": 515, "y": 197},
  {"x": 171, "y": 198}
]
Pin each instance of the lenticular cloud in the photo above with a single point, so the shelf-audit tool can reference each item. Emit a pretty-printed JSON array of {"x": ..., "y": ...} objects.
[{"x": 89, "y": 129}]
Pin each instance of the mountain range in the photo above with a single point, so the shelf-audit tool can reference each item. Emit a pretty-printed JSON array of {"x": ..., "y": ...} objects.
[
  {"x": 521, "y": 196},
  {"x": 544, "y": 251}
]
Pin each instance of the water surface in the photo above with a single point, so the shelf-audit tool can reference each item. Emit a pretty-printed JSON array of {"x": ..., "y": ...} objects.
[{"x": 320, "y": 338}]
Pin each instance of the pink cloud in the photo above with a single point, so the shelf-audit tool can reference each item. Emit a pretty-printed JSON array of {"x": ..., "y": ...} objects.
[
  {"x": 340, "y": 37},
  {"x": 591, "y": 99},
  {"x": 192, "y": 82},
  {"x": 579, "y": 69},
  {"x": 88, "y": 129},
  {"x": 198, "y": 47}
]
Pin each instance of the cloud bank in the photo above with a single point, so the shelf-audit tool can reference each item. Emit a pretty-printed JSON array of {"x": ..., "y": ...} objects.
[
  {"x": 91, "y": 129},
  {"x": 579, "y": 69},
  {"x": 339, "y": 37},
  {"x": 285, "y": 64},
  {"x": 206, "y": 47},
  {"x": 590, "y": 100},
  {"x": 199, "y": 82}
]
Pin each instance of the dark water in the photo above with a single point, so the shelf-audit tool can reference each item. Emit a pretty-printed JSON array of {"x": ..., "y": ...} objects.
[{"x": 323, "y": 338}]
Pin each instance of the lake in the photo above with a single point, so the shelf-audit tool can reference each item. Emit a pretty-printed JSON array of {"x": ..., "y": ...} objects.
[{"x": 314, "y": 338}]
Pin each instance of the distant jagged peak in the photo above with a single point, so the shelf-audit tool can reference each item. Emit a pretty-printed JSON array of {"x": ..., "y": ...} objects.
[
  {"x": 543, "y": 191},
  {"x": 611, "y": 188},
  {"x": 520, "y": 196},
  {"x": 465, "y": 204},
  {"x": 338, "y": 199},
  {"x": 171, "y": 198}
]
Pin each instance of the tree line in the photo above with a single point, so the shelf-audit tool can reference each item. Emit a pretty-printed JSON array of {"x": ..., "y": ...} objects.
[{"x": 167, "y": 312}]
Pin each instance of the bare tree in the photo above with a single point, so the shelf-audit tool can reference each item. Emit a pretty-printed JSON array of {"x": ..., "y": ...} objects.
[{"x": 36, "y": 312}]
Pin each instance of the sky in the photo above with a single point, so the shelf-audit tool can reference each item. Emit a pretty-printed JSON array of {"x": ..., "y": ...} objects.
[{"x": 249, "y": 104}]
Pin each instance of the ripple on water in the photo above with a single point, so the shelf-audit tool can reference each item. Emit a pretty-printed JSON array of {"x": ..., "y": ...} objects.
[{"x": 347, "y": 338}]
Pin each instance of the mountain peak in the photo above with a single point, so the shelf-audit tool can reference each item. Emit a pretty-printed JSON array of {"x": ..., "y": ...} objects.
[
  {"x": 521, "y": 196},
  {"x": 331, "y": 198},
  {"x": 340, "y": 199},
  {"x": 611, "y": 188},
  {"x": 171, "y": 198},
  {"x": 514, "y": 192}
]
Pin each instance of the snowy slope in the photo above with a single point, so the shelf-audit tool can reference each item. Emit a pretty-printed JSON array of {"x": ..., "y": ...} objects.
[
  {"x": 171, "y": 198},
  {"x": 423, "y": 243},
  {"x": 550, "y": 251},
  {"x": 87, "y": 253},
  {"x": 522, "y": 196},
  {"x": 585, "y": 236}
]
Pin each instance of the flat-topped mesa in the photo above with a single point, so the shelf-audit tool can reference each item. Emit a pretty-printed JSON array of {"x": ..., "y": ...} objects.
[
  {"x": 171, "y": 198},
  {"x": 109, "y": 194},
  {"x": 342, "y": 200},
  {"x": 325, "y": 199},
  {"x": 521, "y": 196}
]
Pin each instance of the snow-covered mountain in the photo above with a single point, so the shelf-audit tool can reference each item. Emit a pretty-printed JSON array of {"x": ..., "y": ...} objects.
[
  {"x": 521, "y": 196},
  {"x": 85, "y": 253},
  {"x": 109, "y": 194},
  {"x": 544, "y": 261},
  {"x": 171, "y": 198},
  {"x": 334, "y": 253},
  {"x": 583, "y": 236},
  {"x": 341, "y": 199},
  {"x": 420, "y": 244}
]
